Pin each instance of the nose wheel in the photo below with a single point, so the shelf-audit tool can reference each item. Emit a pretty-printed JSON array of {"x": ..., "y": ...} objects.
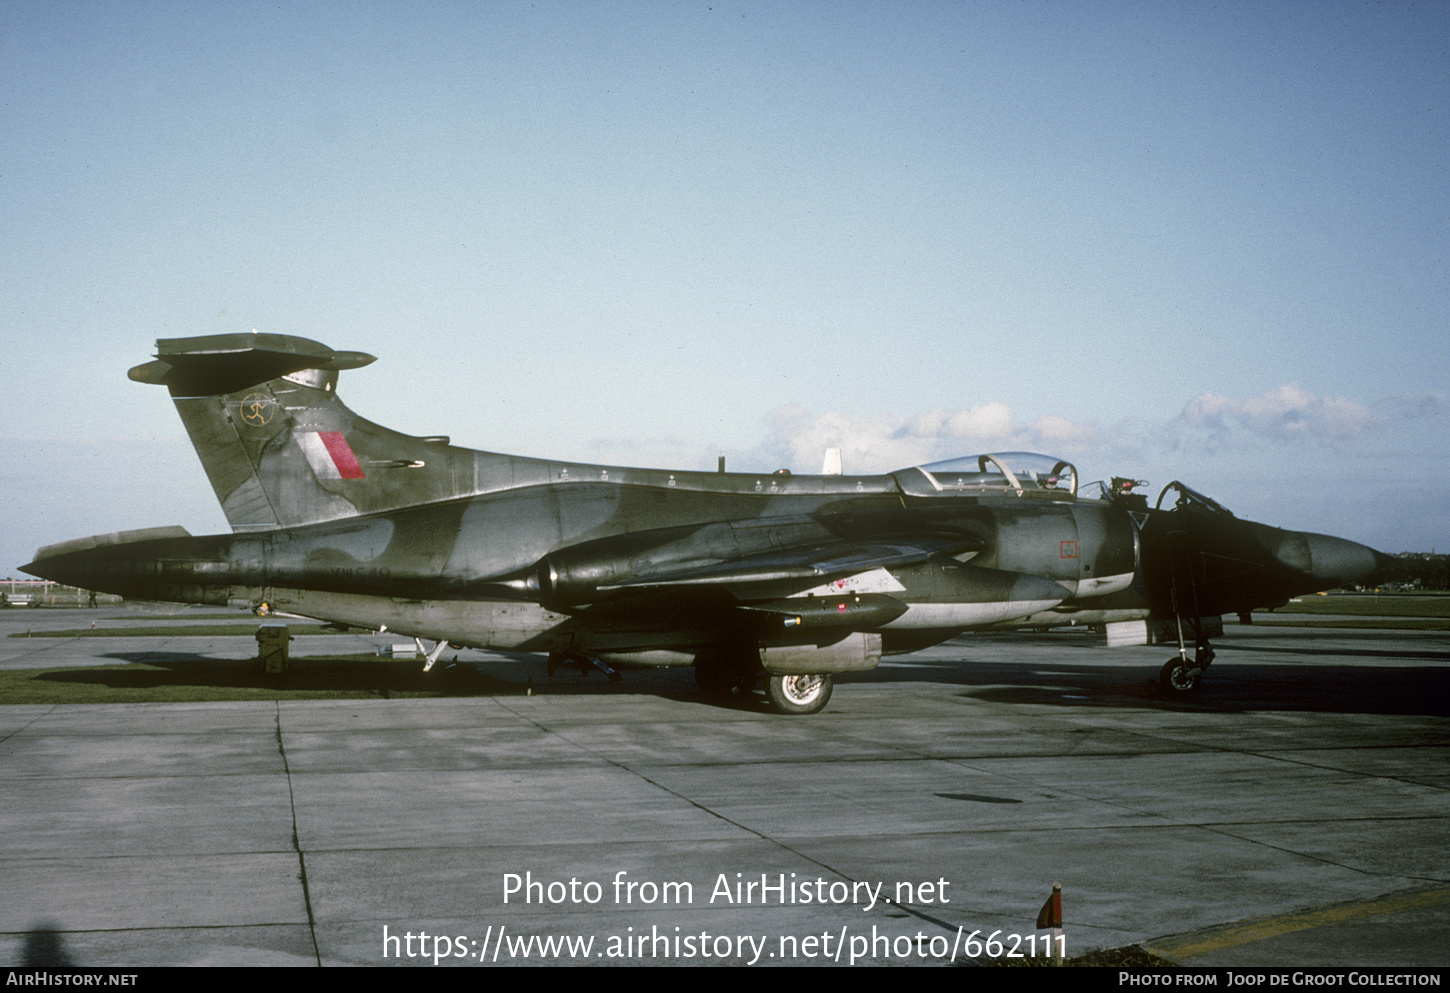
[{"x": 1179, "y": 676}]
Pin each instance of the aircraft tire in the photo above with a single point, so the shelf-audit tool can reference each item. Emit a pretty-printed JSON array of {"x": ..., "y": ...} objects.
[
  {"x": 1175, "y": 678},
  {"x": 799, "y": 694}
]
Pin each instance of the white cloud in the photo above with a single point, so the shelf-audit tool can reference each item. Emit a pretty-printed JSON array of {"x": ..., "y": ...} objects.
[
  {"x": 1288, "y": 412},
  {"x": 984, "y": 421},
  {"x": 1060, "y": 434},
  {"x": 1210, "y": 426},
  {"x": 882, "y": 442}
]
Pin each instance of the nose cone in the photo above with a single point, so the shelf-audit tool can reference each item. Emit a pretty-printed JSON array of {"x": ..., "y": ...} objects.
[
  {"x": 63, "y": 569},
  {"x": 82, "y": 570},
  {"x": 1335, "y": 561}
]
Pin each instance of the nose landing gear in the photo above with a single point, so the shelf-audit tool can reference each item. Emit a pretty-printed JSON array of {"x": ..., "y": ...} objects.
[{"x": 1180, "y": 677}]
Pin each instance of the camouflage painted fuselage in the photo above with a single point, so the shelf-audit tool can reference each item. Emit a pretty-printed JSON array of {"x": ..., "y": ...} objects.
[{"x": 338, "y": 518}]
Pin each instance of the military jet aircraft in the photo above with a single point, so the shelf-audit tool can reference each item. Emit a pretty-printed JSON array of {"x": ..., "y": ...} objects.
[{"x": 790, "y": 578}]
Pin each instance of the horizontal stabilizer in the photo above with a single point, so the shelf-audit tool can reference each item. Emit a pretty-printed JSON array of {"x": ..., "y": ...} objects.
[
  {"x": 113, "y": 538},
  {"x": 212, "y": 365}
]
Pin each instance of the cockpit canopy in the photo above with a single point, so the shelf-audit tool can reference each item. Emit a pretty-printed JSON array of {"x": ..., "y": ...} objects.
[
  {"x": 993, "y": 474},
  {"x": 1191, "y": 499}
]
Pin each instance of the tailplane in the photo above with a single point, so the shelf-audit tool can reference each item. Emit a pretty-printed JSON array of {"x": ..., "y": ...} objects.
[{"x": 279, "y": 446}]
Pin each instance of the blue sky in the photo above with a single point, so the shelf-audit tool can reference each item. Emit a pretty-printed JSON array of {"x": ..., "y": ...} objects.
[{"x": 1193, "y": 241}]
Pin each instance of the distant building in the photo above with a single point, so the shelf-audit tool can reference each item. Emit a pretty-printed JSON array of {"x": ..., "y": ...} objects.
[{"x": 44, "y": 593}]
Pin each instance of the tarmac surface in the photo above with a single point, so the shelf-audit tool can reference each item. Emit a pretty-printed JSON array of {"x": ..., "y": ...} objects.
[{"x": 1293, "y": 813}]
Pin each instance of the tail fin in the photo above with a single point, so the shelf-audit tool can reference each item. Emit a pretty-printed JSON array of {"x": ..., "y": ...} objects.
[{"x": 280, "y": 447}]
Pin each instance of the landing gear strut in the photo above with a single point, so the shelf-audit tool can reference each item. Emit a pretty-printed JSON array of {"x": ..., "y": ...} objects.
[
  {"x": 726, "y": 674},
  {"x": 1179, "y": 677}
]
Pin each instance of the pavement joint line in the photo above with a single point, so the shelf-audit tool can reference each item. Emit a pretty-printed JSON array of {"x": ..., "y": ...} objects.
[
  {"x": 296, "y": 841},
  {"x": 1361, "y": 775},
  {"x": 1279, "y": 756},
  {"x": 1215, "y": 827},
  {"x": 1246, "y": 932},
  {"x": 1357, "y": 775},
  {"x": 1287, "y": 851},
  {"x": 906, "y": 908},
  {"x": 27, "y": 726}
]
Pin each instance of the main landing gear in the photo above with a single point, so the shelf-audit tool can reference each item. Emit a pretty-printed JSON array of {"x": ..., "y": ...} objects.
[
  {"x": 800, "y": 694},
  {"x": 732, "y": 674}
]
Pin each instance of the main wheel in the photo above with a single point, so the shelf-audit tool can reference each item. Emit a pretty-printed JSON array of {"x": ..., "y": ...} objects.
[
  {"x": 799, "y": 694},
  {"x": 1176, "y": 679}
]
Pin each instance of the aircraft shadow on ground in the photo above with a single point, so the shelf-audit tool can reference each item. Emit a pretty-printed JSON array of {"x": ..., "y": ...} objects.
[
  {"x": 365, "y": 674},
  {"x": 1309, "y": 678},
  {"x": 44, "y": 947},
  {"x": 1344, "y": 689},
  {"x": 1045, "y": 680}
]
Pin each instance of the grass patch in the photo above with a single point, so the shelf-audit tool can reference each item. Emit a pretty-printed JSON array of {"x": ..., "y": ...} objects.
[
  {"x": 1371, "y": 623},
  {"x": 1369, "y": 606},
  {"x": 184, "y": 615},
  {"x": 344, "y": 677}
]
